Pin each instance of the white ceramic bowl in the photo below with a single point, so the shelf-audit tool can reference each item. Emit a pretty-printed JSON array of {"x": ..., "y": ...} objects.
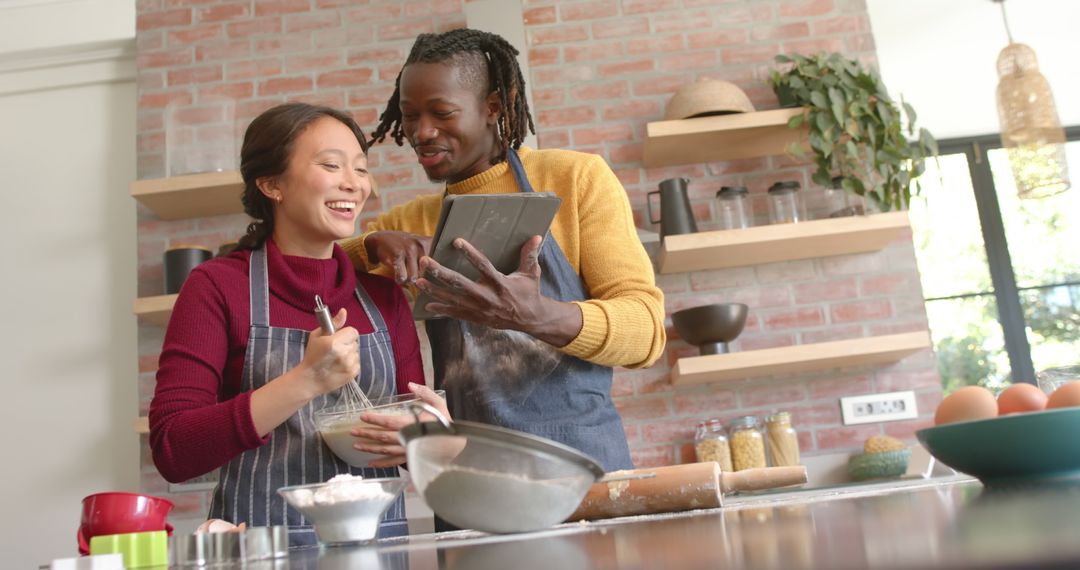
[
  {"x": 347, "y": 510},
  {"x": 336, "y": 423}
]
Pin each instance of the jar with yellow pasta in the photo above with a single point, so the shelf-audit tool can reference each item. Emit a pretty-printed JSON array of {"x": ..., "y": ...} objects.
[
  {"x": 783, "y": 441},
  {"x": 711, "y": 443},
  {"x": 747, "y": 443}
]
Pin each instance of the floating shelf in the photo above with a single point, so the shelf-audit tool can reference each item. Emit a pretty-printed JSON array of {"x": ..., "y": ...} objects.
[
  {"x": 155, "y": 310},
  {"x": 779, "y": 242},
  {"x": 797, "y": 359},
  {"x": 142, "y": 424},
  {"x": 191, "y": 196},
  {"x": 721, "y": 137}
]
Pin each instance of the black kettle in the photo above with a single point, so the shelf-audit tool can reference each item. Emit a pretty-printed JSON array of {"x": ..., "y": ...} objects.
[{"x": 676, "y": 217}]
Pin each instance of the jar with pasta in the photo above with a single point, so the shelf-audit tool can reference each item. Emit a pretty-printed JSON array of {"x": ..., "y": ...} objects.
[
  {"x": 747, "y": 443},
  {"x": 783, "y": 441},
  {"x": 711, "y": 443}
]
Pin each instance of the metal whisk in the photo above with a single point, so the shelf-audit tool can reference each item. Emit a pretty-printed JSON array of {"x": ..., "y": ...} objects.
[{"x": 352, "y": 398}]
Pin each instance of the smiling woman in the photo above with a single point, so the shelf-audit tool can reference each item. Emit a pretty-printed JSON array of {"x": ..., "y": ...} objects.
[{"x": 244, "y": 365}]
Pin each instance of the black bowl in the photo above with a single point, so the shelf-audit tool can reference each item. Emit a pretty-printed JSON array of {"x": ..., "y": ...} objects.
[{"x": 711, "y": 327}]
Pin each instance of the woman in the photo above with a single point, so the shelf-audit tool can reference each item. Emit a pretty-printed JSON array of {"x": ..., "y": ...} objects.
[{"x": 244, "y": 365}]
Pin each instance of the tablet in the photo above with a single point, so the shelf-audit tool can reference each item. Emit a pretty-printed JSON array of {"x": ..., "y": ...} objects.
[{"x": 498, "y": 225}]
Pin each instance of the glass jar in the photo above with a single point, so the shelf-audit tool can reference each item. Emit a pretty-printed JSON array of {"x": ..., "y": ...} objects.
[
  {"x": 783, "y": 441},
  {"x": 711, "y": 443},
  {"x": 733, "y": 207},
  {"x": 839, "y": 202},
  {"x": 785, "y": 203},
  {"x": 747, "y": 443},
  {"x": 200, "y": 139}
]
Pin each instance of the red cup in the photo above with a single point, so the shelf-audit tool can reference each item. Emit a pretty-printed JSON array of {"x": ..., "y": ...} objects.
[{"x": 120, "y": 513}]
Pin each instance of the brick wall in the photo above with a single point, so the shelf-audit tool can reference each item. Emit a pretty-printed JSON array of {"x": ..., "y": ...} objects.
[{"x": 600, "y": 71}]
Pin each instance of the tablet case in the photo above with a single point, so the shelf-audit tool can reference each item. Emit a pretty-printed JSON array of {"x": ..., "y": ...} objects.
[{"x": 498, "y": 225}]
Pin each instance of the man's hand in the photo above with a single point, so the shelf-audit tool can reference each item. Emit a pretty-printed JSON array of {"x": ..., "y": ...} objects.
[
  {"x": 500, "y": 301},
  {"x": 398, "y": 250}
]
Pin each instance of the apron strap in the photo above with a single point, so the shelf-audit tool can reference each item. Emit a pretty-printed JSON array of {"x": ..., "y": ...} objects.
[
  {"x": 372, "y": 312},
  {"x": 519, "y": 171},
  {"x": 259, "y": 288}
]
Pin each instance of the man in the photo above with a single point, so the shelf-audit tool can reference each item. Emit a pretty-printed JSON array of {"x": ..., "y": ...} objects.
[{"x": 532, "y": 350}]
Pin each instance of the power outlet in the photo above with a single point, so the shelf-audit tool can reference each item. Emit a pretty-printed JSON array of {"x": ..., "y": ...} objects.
[{"x": 873, "y": 408}]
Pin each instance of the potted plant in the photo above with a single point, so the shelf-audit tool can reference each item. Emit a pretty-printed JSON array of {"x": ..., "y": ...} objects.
[{"x": 856, "y": 131}]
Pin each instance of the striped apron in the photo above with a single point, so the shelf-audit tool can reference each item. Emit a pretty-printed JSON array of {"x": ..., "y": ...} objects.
[{"x": 296, "y": 455}]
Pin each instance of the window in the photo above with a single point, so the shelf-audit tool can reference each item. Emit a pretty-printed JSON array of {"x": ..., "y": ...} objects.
[{"x": 1001, "y": 276}]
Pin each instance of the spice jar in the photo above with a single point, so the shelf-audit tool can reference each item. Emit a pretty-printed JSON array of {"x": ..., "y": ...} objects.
[
  {"x": 711, "y": 443},
  {"x": 733, "y": 207},
  {"x": 747, "y": 444},
  {"x": 783, "y": 441},
  {"x": 785, "y": 203}
]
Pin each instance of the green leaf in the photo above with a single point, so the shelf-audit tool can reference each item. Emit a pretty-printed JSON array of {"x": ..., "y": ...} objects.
[
  {"x": 781, "y": 58},
  {"x": 851, "y": 148},
  {"x": 909, "y": 112},
  {"x": 796, "y": 121},
  {"x": 818, "y": 99},
  {"x": 824, "y": 122},
  {"x": 797, "y": 83},
  {"x": 837, "y": 100}
]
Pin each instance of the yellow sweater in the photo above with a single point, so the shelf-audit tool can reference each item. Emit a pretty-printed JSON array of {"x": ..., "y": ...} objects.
[{"x": 623, "y": 321}]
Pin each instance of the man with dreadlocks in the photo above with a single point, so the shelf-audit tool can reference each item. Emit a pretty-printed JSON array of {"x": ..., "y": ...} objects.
[{"x": 532, "y": 350}]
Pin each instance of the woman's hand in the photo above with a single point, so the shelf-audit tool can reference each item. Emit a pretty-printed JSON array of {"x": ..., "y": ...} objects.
[
  {"x": 398, "y": 250},
  {"x": 331, "y": 361},
  {"x": 385, "y": 441}
]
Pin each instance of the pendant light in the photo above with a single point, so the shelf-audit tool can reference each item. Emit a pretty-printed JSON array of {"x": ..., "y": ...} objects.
[{"x": 1031, "y": 132}]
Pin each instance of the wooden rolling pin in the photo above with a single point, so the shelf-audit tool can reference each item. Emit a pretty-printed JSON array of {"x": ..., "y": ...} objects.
[{"x": 678, "y": 488}]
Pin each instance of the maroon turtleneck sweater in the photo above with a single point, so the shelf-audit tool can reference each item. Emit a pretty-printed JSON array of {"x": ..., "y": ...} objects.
[{"x": 199, "y": 417}]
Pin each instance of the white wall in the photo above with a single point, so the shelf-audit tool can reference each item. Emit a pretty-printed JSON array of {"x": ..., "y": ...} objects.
[
  {"x": 67, "y": 242},
  {"x": 941, "y": 55}
]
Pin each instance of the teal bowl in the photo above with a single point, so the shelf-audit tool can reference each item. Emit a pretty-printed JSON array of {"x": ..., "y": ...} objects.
[{"x": 1036, "y": 447}]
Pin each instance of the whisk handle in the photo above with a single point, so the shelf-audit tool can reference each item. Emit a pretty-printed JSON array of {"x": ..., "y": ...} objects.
[{"x": 322, "y": 313}]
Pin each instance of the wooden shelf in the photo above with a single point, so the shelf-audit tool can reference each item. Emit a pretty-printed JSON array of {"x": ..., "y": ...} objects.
[
  {"x": 191, "y": 196},
  {"x": 797, "y": 359},
  {"x": 722, "y": 137},
  {"x": 779, "y": 242},
  {"x": 142, "y": 424},
  {"x": 155, "y": 310}
]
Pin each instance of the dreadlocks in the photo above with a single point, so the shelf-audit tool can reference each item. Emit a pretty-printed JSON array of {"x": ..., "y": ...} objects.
[{"x": 485, "y": 58}]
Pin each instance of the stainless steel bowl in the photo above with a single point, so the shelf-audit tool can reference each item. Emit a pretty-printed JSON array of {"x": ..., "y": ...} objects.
[{"x": 494, "y": 479}]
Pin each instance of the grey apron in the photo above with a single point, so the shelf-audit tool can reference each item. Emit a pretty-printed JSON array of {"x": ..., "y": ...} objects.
[
  {"x": 510, "y": 379},
  {"x": 296, "y": 455}
]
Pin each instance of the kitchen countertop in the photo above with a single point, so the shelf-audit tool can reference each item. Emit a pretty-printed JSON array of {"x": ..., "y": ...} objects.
[{"x": 953, "y": 523}]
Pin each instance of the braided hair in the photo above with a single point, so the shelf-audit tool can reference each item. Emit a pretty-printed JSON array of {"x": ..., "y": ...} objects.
[{"x": 483, "y": 58}]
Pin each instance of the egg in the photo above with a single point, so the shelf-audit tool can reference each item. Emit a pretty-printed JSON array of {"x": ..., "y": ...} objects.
[
  {"x": 966, "y": 404},
  {"x": 1020, "y": 398},
  {"x": 1066, "y": 396}
]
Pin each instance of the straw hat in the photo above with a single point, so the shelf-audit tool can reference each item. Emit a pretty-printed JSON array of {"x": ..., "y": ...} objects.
[{"x": 707, "y": 97}]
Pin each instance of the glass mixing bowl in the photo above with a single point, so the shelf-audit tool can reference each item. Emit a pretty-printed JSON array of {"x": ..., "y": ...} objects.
[
  {"x": 336, "y": 423},
  {"x": 344, "y": 510}
]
